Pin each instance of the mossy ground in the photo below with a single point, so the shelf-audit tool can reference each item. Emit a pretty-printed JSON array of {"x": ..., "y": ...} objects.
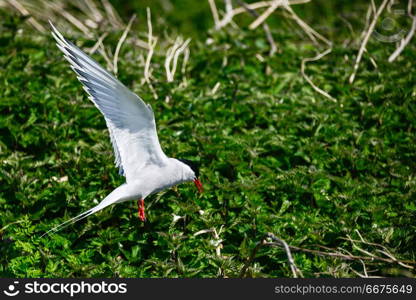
[{"x": 276, "y": 156}]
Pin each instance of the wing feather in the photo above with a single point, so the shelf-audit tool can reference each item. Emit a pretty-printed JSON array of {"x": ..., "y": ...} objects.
[{"x": 130, "y": 121}]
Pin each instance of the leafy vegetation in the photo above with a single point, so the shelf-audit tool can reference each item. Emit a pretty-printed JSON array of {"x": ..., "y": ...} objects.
[{"x": 276, "y": 156}]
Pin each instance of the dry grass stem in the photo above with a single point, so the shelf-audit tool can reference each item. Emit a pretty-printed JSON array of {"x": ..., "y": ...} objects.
[
  {"x": 120, "y": 43},
  {"x": 186, "y": 55},
  {"x": 366, "y": 38},
  {"x": 265, "y": 14},
  {"x": 302, "y": 70},
  {"x": 10, "y": 224},
  {"x": 95, "y": 12},
  {"x": 365, "y": 275},
  {"x": 98, "y": 43},
  {"x": 217, "y": 242},
  {"x": 176, "y": 56},
  {"x": 106, "y": 55},
  {"x": 151, "y": 44},
  {"x": 374, "y": 7},
  {"x": 215, "y": 14},
  {"x": 169, "y": 56},
  {"x": 112, "y": 15},
  {"x": 308, "y": 30},
  {"x": 276, "y": 242},
  {"x": 260, "y": 4},
  {"x": 369, "y": 257},
  {"x": 295, "y": 271},
  {"x": 228, "y": 15},
  {"x": 20, "y": 8},
  {"x": 269, "y": 36},
  {"x": 406, "y": 40},
  {"x": 215, "y": 88},
  {"x": 58, "y": 9},
  {"x": 260, "y": 19},
  {"x": 336, "y": 254},
  {"x": 172, "y": 56}
]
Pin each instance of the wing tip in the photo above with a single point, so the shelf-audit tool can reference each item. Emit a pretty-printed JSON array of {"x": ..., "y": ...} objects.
[
  {"x": 54, "y": 31},
  {"x": 50, "y": 23}
]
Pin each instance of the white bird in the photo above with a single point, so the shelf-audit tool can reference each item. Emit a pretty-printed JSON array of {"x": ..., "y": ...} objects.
[{"x": 132, "y": 127}]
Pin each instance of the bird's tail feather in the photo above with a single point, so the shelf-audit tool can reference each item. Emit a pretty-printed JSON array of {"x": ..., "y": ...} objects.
[
  {"x": 85, "y": 214},
  {"x": 117, "y": 195}
]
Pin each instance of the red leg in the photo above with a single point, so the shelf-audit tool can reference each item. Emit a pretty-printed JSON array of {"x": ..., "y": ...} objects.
[{"x": 140, "y": 210}]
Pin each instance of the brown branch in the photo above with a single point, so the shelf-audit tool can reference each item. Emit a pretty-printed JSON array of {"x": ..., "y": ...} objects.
[
  {"x": 352, "y": 257},
  {"x": 370, "y": 257}
]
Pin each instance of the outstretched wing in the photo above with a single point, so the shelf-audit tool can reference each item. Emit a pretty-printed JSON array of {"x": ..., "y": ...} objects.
[{"x": 130, "y": 121}]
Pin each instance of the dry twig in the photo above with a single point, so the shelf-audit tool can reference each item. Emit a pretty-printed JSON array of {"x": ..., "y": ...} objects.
[
  {"x": 313, "y": 34},
  {"x": 106, "y": 55},
  {"x": 273, "y": 47},
  {"x": 379, "y": 248},
  {"x": 295, "y": 271},
  {"x": 277, "y": 242},
  {"x": 58, "y": 9},
  {"x": 366, "y": 38},
  {"x": 405, "y": 41},
  {"x": 120, "y": 43},
  {"x": 98, "y": 43},
  {"x": 239, "y": 10},
  {"x": 19, "y": 7},
  {"x": 369, "y": 257},
  {"x": 266, "y": 14},
  {"x": 302, "y": 70},
  {"x": 99, "y": 16},
  {"x": 336, "y": 254},
  {"x": 260, "y": 19},
  {"x": 112, "y": 14},
  {"x": 215, "y": 14},
  {"x": 172, "y": 56},
  {"x": 215, "y": 88},
  {"x": 151, "y": 44},
  {"x": 217, "y": 243},
  {"x": 95, "y": 12},
  {"x": 228, "y": 14}
]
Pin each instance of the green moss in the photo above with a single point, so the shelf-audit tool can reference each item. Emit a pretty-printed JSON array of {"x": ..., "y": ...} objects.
[{"x": 276, "y": 156}]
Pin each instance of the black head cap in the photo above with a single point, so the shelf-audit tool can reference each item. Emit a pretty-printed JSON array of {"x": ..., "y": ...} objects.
[{"x": 193, "y": 165}]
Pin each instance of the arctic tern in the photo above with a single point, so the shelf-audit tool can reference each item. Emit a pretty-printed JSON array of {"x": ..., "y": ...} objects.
[{"x": 132, "y": 128}]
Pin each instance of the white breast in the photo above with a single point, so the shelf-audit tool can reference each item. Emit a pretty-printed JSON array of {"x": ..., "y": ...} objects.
[{"x": 153, "y": 178}]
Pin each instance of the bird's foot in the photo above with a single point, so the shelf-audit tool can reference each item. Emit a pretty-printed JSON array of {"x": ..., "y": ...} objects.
[{"x": 140, "y": 210}]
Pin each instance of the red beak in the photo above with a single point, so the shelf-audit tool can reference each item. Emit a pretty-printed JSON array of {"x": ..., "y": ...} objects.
[{"x": 198, "y": 185}]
